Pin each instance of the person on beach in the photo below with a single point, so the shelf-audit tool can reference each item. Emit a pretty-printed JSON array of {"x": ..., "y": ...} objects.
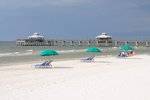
[
  {"x": 128, "y": 52},
  {"x": 121, "y": 53},
  {"x": 131, "y": 53}
]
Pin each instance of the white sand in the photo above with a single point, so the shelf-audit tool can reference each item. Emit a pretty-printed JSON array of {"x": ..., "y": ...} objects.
[{"x": 105, "y": 79}]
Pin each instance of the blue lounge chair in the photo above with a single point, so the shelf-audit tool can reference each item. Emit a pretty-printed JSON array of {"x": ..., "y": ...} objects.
[
  {"x": 48, "y": 63},
  {"x": 40, "y": 65},
  {"x": 45, "y": 64},
  {"x": 90, "y": 59},
  {"x": 121, "y": 56}
]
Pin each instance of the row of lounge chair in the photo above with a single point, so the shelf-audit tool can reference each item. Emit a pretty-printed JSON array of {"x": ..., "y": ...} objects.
[
  {"x": 90, "y": 59},
  {"x": 45, "y": 64},
  {"x": 48, "y": 63}
]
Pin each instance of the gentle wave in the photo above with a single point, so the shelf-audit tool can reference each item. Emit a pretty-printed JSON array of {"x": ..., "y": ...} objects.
[
  {"x": 14, "y": 54},
  {"x": 25, "y": 54},
  {"x": 5, "y": 54},
  {"x": 29, "y": 50},
  {"x": 71, "y": 51},
  {"x": 115, "y": 47},
  {"x": 84, "y": 50}
]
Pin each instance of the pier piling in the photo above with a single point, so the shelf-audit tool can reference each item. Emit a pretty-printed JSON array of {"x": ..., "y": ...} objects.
[
  {"x": 97, "y": 43},
  {"x": 116, "y": 43},
  {"x": 106, "y": 43},
  {"x": 55, "y": 43},
  {"x": 147, "y": 43},
  {"x": 63, "y": 43},
  {"x": 126, "y": 43},
  {"x": 136, "y": 43},
  {"x": 71, "y": 43},
  {"x": 88, "y": 43},
  {"x": 80, "y": 43}
]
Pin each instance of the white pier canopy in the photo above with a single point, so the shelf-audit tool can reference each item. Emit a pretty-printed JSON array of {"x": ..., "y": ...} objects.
[
  {"x": 36, "y": 36},
  {"x": 104, "y": 36}
]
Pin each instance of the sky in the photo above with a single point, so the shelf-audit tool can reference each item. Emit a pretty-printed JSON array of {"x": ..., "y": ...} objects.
[{"x": 74, "y": 19}]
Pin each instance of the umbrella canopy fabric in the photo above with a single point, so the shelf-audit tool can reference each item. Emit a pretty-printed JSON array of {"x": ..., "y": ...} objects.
[
  {"x": 49, "y": 53},
  {"x": 93, "y": 49},
  {"x": 127, "y": 48}
]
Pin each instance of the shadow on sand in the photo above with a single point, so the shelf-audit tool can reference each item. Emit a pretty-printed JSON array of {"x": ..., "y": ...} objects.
[
  {"x": 55, "y": 67},
  {"x": 62, "y": 67},
  {"x": 133, "y": 58},
  {"x": 101, "y": 62}
]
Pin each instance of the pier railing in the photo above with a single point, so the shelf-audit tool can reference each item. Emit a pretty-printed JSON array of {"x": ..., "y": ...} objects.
[{"x": 78, "y": 40}]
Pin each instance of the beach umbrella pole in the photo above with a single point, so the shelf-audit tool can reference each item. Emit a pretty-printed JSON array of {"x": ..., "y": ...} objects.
[{"x": 93, "y": 56}]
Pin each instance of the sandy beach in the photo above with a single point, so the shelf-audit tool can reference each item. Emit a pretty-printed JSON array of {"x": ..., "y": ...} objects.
[{"x": 105, "y": 79}]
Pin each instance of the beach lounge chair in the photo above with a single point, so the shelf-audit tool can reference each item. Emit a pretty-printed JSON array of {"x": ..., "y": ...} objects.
[
  {"x": 121, "y": 56},
  {"x": 45, "y": 64},
  {"x": 90, "y": 59},
  {"x": 48, "y": 63},
  {"x": 39, "y": 65}
]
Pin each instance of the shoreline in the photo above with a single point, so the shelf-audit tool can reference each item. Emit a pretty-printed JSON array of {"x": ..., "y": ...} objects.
[{"x": 57, "y": 60}]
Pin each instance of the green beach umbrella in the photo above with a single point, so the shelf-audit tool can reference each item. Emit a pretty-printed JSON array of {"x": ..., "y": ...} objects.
[
  {"x": 93, "y": 49},
  {"x": 127, "y": 48},
  {"x": 49, "y": 53}
]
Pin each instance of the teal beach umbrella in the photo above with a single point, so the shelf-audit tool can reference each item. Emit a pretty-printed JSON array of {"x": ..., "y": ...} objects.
[
  {"x": 93, "y": 49},
  {"x": 127, "y": 48},
  {"x": 49, "y": 53}
]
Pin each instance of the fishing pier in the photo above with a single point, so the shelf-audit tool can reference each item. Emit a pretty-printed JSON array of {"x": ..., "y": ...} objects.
[
  {"x": 53, "y": 42},
  {"x": 102, "y": 40}
]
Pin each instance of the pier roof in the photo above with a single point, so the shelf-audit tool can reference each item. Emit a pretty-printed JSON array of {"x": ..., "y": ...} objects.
[
  {"x": 103, "y": 35},
  {"x": 36, "y": 35}
]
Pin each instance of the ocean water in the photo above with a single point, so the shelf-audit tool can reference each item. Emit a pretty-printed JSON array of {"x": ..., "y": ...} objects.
[{"x": 10, "y": 53}]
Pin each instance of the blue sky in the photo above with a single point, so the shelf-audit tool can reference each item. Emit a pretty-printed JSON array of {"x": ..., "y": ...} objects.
[{"x": 74, "y": 19}]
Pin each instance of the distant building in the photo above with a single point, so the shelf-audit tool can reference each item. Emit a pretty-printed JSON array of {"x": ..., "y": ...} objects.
[
  {"x": 36, "y": 36},
  {"x": 34, "y": 40},
  {"x": 104, "y": 37}
]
